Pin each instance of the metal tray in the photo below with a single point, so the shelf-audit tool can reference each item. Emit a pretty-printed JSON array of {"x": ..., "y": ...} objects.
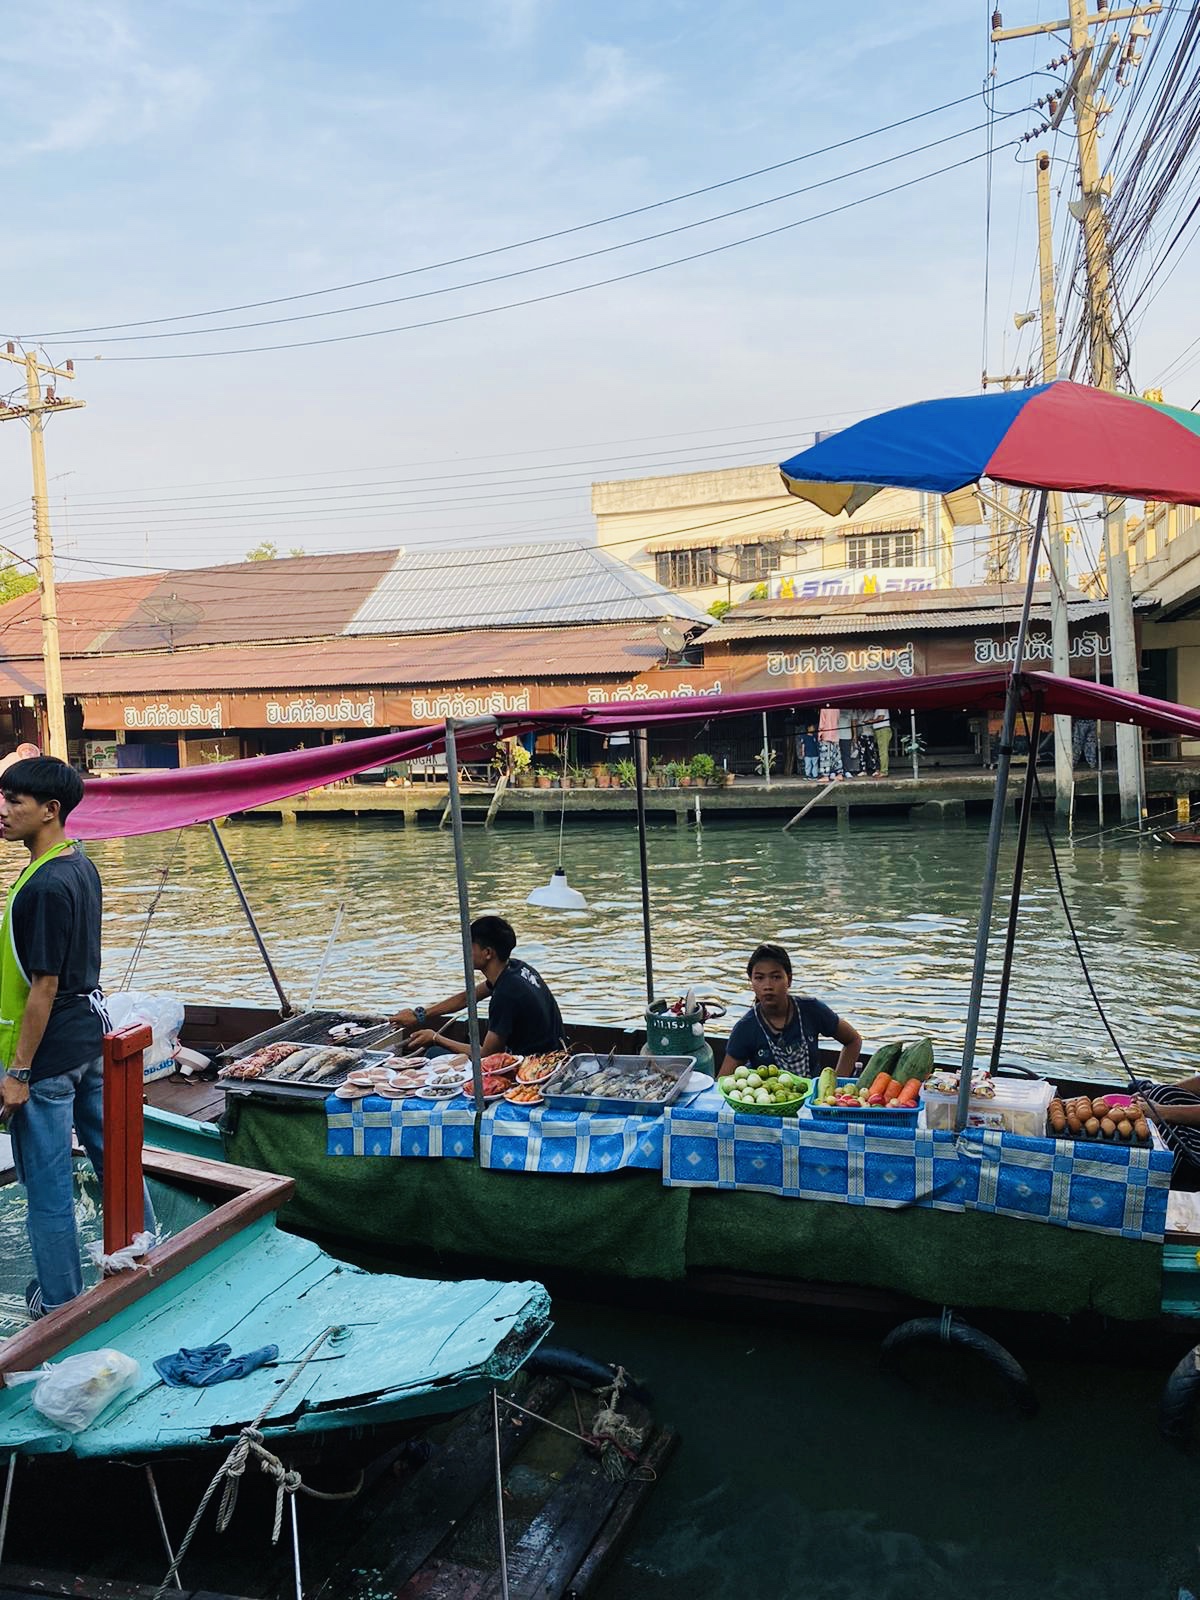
[
  {"x": 312, "y": 1027},
  {"x": 284, "y": 1088},
  {"x": 631, "y": 1066}
]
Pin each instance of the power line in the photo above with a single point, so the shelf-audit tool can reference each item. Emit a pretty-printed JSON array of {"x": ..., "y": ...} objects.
[
  {"x": 562, "y": 294},
  {"x": 561, "y": 233}
]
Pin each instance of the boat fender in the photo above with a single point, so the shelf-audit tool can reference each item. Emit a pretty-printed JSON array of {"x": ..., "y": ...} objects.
[
  {"x": 1177, "y": 1408},
  {"x": 551, "y": 1361},
  {"x": 949, "y": 1329}
]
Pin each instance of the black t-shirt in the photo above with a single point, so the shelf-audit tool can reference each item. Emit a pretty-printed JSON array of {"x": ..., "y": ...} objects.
[
  {"x": 56, "y": 930},
  {"x": 523, "y": 1013}
]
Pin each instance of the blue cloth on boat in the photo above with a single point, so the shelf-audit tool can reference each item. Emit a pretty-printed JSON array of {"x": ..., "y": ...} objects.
[
  {"x": 211, "y": 1363},
  {"x": 1106, "y": 1188},
  {"x": 377, "y": 1126}
]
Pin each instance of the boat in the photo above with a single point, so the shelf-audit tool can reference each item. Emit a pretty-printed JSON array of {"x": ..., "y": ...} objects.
[{"x": 1187, "y": 834}]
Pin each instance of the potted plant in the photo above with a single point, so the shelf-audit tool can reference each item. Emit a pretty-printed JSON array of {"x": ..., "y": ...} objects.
[
  {"x": 730, "y": 777},
  {"x": 581, "y": 778},
  {"x": 626, "y": 774},
  {"x": 603, "y": 777},
  {"x": 671, "y": 774},
  {"x": 543, "y": 777},
  {"x": 598, "y": 770},
  {"x": 518, "y": 764},
  {"x": 704, "y": 768},
  {"x": 765, "y": 765}
]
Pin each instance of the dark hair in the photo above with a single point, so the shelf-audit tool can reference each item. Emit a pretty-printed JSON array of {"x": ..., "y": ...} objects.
[
  {"x": 493, "y": 933},
  {"x": 770, "y": 952},
  {"x": 45, "y": 778}
]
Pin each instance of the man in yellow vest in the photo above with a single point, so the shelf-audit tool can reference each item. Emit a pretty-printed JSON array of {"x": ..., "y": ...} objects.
[{"x": 51, "y": 1011}]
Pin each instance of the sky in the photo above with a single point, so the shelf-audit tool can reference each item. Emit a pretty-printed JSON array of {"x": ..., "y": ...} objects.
[{"x": 183, "y": 156}]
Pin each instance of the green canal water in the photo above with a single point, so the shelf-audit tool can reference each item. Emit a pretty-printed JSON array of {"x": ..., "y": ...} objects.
[{"x": 804, "y": 1473}]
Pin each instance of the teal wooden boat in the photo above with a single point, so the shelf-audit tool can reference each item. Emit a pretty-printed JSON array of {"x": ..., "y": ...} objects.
[{"x": 357, "y": 1350}]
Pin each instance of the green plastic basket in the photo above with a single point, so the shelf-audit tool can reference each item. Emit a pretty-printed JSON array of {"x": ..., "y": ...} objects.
[{"x": 782, "y": 1108}]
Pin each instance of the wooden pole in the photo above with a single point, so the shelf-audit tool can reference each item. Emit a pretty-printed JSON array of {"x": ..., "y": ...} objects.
[{"x": 124, "y": 1210}]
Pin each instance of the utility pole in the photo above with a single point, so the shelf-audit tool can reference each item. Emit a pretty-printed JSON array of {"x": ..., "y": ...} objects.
[
  {"x": 1080, "y": 95},
  {"x": 1060, "y": 637},
  {"x": 37, "y": 404}
]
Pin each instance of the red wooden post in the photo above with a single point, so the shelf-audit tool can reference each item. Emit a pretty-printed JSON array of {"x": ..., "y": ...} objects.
[{"x": 124, "y": 1208}]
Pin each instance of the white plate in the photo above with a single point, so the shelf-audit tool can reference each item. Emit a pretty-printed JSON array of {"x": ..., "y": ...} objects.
[
  {"x": 431, "y": 1093},
  {"x": 698, "y": 1081}
]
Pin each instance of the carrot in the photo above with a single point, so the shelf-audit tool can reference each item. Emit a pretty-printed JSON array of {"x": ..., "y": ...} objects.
[
  {"x": 893, "y": 1092},
  {"x": 910, "y": 1093},
  {"x": 879, "y": 1088}
]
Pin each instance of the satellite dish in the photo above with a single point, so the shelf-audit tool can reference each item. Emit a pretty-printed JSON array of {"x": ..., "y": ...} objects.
[{"x": 670, "y": 638}]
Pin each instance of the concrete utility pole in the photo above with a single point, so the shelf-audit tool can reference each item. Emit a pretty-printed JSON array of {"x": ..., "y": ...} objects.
[
  {"x": 1060, "y": 638},
  {"x": 34, "y": 411},
  {"x": 1089, "y": 211}
]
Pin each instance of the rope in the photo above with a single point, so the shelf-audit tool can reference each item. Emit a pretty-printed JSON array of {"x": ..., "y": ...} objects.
[
  {"x": 231, "y": 1471},
  {"x": 612, "y": 1436},
  {"x": 158, "y": 894},
  {"x": 946, "y": 1324}
]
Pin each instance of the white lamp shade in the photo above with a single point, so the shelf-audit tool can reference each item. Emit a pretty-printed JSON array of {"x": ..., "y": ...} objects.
[{"x": 558, "y": 895}]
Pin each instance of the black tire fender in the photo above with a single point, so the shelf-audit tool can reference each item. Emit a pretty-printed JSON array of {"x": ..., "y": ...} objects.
[
  {"x": 948, "y": 1329},
  {"x": 553, "y": 1361},
  {"x": 1181, "y": 1393}
]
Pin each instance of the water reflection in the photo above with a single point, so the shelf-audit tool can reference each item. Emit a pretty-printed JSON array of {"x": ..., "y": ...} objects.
[{"x": 879, "y": 919}]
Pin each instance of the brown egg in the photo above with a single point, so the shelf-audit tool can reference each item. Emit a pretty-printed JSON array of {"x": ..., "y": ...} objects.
[
  {"x": 1099, "y": 1107},
  {"x": 1092, "y": 1127},
  {"x": 1108, "y": 1127},
  {"x": 1083, "y": 1108},
  {"x": 1140, "y": 1130},
  {"x": 1125, "y": 1130},
  {"x": 1073, "y": 1124}
]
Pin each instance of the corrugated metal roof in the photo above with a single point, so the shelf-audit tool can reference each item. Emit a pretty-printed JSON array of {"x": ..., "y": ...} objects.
[
  {"x": 295, "y": 597},
  {"x": 461, "y": 657},
  {"x": 513, "y": 585},
  {"x": 976, "y": 598},
  {"x": 849, "y": 621}
]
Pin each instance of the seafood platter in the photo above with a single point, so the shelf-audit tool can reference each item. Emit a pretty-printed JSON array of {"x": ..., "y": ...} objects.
[
  {"x": 532, "y": 1077},
  {"x": 634, "y": 1085},
  {"x": 306, "y": 1057},
  {"x": 438, "y": 1078}
]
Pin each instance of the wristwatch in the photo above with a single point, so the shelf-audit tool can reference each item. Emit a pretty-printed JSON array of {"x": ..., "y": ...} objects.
[
  {"x": 420, "y": 1013},
  {"x": 21, "y": 1074}
]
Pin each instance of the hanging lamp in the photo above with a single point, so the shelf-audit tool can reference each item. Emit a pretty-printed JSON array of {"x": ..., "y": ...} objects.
[{"x": 558, "y": 895}]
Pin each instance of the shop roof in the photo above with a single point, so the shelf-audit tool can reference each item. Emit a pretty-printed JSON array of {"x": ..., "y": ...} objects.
[
  {"x": 508, "y": 586},
  {"x": 921, "y": 610},
  {"x": 459, "y": 657}
]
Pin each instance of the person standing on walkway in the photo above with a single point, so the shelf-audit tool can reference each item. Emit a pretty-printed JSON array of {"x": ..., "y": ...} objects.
[
  {"x": 51, "y": 1035},
  {"x": 845, "y": 735},
  {"x": 828, "y": 749},
  {"x": 881, "y": 727},
  {"x": 808, "y": 752}
]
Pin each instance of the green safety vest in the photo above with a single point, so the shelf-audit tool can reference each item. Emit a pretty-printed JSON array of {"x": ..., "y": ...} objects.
[{"x": 14, "y": 980}]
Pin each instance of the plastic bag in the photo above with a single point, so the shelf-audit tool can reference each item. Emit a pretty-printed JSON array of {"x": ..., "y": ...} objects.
[
  {"x": 126, "y": 1259},
  {"x": 74, "y": 1391},
  {"x": 164, "y": 1013}
]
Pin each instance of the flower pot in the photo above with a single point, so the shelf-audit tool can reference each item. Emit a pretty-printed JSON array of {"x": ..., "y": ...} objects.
[
  {"x": 542, "y": 783},
  {"x": 604, "y": 780},
  {"x": 685, "y": 780},
  {"x": 524, "y": 780},
  {"x": 730, "y": 779}
]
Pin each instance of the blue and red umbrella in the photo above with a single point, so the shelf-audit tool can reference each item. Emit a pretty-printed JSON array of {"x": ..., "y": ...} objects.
[{"x": 1058, "y": 435}]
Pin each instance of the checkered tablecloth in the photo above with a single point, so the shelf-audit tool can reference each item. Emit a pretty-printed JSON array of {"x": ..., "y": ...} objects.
[
  {"x": 1109, "y": 1188},
  {"x": 376, "y": 1126},
  {"x": 512, "y": 1138}
]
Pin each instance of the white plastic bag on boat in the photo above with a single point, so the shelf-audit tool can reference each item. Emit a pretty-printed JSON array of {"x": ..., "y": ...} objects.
[
  {"x": 73, "y": 1392},
  {"x": 164, "y": 1013}
]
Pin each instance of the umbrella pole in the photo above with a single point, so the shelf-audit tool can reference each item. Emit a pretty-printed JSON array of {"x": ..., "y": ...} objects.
[
  {"x": 1014, "y": 904},
  {"x": 640, "y": 742},
  {"x": 996, "y": 828},
  {"x": 464, "y": 911},
  {"x": 286, "y": 1008}
]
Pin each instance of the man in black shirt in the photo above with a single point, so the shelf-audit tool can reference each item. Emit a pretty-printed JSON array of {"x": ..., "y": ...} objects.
[
  {"x": 523, "y": 1016},
  {"x": 51, "y": 1032}
]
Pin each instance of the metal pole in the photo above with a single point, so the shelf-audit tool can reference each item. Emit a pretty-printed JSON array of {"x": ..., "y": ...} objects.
[
  {"x": 500, "y": 1535},
  {"x": 766, "y": 752},
  {"x": 912, "y": 728},
  {"x": 329, "y": 944},
  {"x": 996, "y": 828},
  {"x": 640, "y": 744},
  {"x": 296, "y": 1548},
  {"x": 1100, "y": 750},
  {"x": 162, "y": 1526},
  {"x": 1014, "y": 904},
  {"x": 8, "y": 1489},
  {"x": 286, "y": 1007},
  {"x": 464, "y": 911}
]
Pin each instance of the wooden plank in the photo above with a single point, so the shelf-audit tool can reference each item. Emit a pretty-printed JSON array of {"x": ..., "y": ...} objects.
[
  {"x": 21, "y": 1580},
  {"x": 545, "y": 1558},
  {"x": 244, "y": 1196},
  {"x": 186, "y": 1097},
  {"x": 604, "y": 1548},
  {"x": 439, "y": 1496}
]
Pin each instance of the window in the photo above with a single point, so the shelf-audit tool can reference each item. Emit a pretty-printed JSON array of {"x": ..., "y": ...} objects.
[
  {"x": 756, "y": 561},
  {"x": 882, "y": 550},
  {"x": 685, "y": 569}
]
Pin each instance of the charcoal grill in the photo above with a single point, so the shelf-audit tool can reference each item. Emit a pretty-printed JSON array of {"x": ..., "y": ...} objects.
[{"x": 309, "y": 1028}]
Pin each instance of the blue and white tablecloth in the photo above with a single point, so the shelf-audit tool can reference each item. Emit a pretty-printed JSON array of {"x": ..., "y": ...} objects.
[
  {"x": 1104, "y": 1187},
  {"x": 512, "y": 1138},
  {"x": 376, "y": 1126}
]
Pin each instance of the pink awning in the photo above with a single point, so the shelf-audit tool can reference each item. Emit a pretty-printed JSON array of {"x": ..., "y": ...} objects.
[{"x": 116, "y": 808}]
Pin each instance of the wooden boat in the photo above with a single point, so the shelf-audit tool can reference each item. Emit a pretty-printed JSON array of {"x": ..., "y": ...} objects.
[{"x": 1188, "y": 834}]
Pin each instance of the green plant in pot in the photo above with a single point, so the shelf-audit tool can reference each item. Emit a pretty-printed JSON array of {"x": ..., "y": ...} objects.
[
  {"x": 703, "y": 768},
  {"x": 626, "y": 774}
]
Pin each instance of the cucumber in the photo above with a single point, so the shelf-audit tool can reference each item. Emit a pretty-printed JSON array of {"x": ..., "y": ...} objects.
[
  {"x": 884, "y": 1059},
  {"x": 916, "y": 1062}
]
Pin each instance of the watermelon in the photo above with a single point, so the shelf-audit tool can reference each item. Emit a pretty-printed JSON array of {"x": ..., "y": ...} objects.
[{"x": 883, "y": 1060}]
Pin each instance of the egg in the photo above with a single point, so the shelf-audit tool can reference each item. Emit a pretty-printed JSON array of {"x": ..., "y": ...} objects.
[
  {"x": 1074, "y": 1124},
  {"x": 1092, "y": 1127},
  {"x": 1108, "y": 1127},
  {"x": 1125, "y": 1129}
]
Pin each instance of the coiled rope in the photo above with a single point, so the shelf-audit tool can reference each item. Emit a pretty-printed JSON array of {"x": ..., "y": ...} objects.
[{"x": 249, "y": 1444}]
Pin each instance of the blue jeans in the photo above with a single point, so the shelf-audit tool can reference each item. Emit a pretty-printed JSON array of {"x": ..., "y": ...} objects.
[
  {"x": 812, "y": 766},
  {"x": 41, "y": 1141}
]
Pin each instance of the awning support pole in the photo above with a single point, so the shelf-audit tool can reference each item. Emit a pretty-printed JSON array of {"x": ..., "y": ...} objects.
[
  {"x": 286, "y": 1008},
  {"x": 996, "y": 828},
  {"x": 640, "y": 748},
  {"x": 1014, "y": 904},
  {"x": 464, "y": 911}
]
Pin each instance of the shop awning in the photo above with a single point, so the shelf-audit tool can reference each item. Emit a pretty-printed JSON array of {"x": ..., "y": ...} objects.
[{"x": 116, "y": 808}]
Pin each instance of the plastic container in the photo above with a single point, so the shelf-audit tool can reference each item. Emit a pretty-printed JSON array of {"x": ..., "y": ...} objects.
[
  {"x": 780, "y": 1108},
  {"x": 886, "y": 1116},
  {"x": 1019, "y": 1106}
]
